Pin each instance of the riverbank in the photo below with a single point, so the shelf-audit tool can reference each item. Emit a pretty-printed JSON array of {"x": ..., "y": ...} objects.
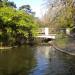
[
  {"x": 7, "y": 47},
  {"x": 63, "y": 50},
  {"x": 66, "y": 45}
]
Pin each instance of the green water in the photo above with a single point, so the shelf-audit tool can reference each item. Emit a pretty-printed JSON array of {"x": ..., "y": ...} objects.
[{"x": 40, "y": 60}]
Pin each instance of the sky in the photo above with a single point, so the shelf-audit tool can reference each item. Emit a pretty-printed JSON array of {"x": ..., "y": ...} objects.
[{"x": 36, "y": 6}]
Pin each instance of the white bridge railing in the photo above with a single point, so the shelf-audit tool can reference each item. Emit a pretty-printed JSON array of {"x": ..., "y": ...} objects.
[{"x": 45, "y": 33}]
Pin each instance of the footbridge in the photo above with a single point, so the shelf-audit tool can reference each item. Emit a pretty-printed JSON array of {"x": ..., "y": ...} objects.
[{"x": 45, "y": 33}]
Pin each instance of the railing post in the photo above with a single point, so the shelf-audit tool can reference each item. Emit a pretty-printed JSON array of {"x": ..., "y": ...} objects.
[{"x": 46, "y": 31}]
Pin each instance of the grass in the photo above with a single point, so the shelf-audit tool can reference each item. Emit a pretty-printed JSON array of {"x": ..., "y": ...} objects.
[{"x": 62, "y": 41}]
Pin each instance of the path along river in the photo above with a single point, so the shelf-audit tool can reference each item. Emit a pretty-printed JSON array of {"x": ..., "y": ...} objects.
[{"x": 40, "y": 60}]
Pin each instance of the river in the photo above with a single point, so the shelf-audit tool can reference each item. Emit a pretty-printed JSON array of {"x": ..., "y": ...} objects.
[{"x": 40, "y": 60}]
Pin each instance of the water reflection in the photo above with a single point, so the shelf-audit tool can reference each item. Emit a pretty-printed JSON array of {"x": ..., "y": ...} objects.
[
  {"x": 52, "y": 62},
  {"x": 17, "y": 62},
  {"x": 41, "y": 60}
]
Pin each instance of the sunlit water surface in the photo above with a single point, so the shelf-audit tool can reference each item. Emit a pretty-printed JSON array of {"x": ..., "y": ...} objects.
[{"x": 40, "y": 60}]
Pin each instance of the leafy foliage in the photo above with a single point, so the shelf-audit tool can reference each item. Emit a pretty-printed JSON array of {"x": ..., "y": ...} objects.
[
  {"x": 16, "y": 25},
  {"x": 61, "y": 14},
  {"x": 27, "y": 9}
]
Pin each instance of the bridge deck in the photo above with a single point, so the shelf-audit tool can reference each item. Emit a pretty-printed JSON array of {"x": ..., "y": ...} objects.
[
  {"x": 51, "y": 36},
  {"x": 45, "y": 33}
]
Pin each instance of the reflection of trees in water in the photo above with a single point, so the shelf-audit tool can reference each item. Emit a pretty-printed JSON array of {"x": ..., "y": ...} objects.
[
  {"x": 62, "y": 64},
  {"x": 45, "y": 51},
  {"x": 42, "y": 58},
  {"x": 21, "y": 61},
  {"x": 17, "y": 62},
  {"x": 68, "y": 63}
]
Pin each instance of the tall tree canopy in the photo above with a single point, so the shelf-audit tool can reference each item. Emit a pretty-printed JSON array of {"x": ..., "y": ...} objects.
[
  {"x": 7, "y": 3},
  {"x": 61, "y": 13},
  {"x": 15, "y": 25},
  {"x": 27, "y": 9}
]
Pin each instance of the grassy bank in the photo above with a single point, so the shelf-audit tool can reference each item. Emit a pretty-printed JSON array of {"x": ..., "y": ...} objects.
[{"x": 61, "y": 41}]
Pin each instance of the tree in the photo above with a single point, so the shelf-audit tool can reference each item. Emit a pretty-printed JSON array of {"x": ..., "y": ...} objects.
[
  {"x": 61, "y": 13},
  {"x": 11, "y": 4},
  {"x": 16, "y": 24},
  {"x": 7, "y": 3},
  {"x": 27, "y": 9}
]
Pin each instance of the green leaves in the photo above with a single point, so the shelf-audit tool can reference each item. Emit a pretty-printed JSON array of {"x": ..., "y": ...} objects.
[{"x": 13, "y": 22}]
